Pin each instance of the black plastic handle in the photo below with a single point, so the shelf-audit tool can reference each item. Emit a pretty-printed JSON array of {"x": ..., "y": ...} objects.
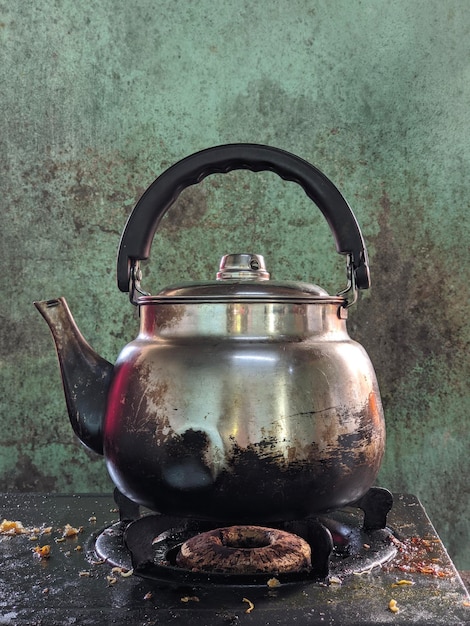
[{"x": 139, "y": 231}]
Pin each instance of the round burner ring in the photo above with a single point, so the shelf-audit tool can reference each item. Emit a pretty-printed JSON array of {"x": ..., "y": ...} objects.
[{"x": 245, "y": 550}]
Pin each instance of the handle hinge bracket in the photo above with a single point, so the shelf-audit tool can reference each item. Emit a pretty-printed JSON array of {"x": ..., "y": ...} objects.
[
  {"x": 350, "y": 291},
  {"x": 135, "y": 276}
]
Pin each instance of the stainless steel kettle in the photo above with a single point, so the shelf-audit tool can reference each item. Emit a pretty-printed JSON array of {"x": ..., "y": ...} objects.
[{"x": 241, "y": 398}]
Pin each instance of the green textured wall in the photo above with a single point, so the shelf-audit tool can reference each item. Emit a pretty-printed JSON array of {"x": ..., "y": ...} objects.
[{"x": 99, "y": 97}]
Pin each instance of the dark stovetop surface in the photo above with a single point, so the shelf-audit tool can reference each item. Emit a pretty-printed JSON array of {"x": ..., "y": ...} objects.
[{"x": 68, "y": 588}]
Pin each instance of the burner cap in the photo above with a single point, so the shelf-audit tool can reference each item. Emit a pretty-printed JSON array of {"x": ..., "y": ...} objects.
[{"x": 245, "y": 550}]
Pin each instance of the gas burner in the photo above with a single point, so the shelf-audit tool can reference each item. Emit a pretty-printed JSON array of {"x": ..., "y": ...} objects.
[
  {"x": 74, "y": 583},
  {"x": 337, "y": 545}
]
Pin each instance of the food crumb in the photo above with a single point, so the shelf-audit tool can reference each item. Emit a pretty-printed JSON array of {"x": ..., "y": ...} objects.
[
  {"x": 120, "y": 570},
  {"x": 189, "y": 599},
  {"x": 402, "y": 583},
  {"x": 251, "y": 606},
  {"x": 273, "y": 582},
  {"x": 42, "y": 552},
  {"x": 70, "y": 531},
  {"x": 112, "y": 580},
  {"x": 392, "y": 605},
  {"x": 8, "y": 527},
  {"x": 84, "y": 574},
  {"x": 125, "y": 574}
]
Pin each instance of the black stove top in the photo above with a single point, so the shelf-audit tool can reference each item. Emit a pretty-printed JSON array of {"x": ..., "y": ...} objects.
[{"x": 73, "y": 586}]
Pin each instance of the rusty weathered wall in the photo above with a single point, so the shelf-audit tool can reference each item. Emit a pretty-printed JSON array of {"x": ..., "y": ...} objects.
[{"x": 99, "y": 97}]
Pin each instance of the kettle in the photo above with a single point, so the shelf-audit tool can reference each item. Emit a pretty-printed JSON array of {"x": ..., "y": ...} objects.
[{"x": 242, "y": 398}]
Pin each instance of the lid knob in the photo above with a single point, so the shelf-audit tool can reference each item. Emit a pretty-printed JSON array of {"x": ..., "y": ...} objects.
[{"x": 242, "y": 266}]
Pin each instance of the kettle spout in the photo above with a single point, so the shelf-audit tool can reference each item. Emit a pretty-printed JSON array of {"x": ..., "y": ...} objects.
[{"x": 86, "y": 376}]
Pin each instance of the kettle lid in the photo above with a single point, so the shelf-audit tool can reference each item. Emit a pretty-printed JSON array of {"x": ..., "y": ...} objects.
[{"x": 241, "y": 277}]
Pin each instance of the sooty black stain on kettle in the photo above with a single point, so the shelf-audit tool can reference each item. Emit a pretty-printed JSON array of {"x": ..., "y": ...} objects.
[{"x": 184, "y": 465}]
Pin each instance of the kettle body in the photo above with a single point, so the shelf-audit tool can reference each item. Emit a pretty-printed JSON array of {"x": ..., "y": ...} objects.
[{"x": 243, "y": 423}]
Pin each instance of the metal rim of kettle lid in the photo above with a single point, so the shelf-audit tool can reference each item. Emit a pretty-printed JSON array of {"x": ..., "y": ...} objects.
[
  {"x": 242, "y": 278},
  {"x": 247, "y": 298}
]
